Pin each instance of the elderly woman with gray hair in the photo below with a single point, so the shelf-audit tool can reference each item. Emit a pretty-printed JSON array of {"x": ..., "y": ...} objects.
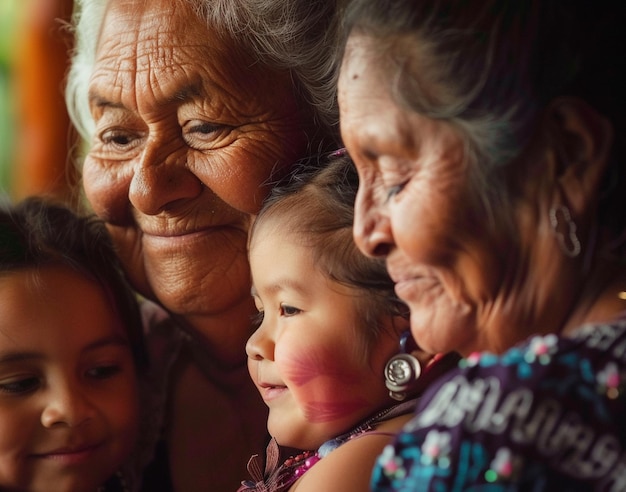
[
  {"x": 489, "y": 141},
  {"x": 190, "y": 110}
]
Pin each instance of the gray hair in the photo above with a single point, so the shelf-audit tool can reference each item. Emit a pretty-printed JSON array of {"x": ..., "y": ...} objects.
[
  {"x": 489, "y": 68},
  {"x": 295, "y": 35}
]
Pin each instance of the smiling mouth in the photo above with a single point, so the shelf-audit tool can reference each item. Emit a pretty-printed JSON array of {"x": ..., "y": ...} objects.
[
  {"x": 70, "y": 456},
  {"x": 270, "y": 392},
  {"x": 181, "y": 233}
]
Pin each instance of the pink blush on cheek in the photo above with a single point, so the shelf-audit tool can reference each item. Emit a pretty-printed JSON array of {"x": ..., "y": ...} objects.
[
  {"x": 327, "y": 411},
  {"x": 304, "y": 367}
]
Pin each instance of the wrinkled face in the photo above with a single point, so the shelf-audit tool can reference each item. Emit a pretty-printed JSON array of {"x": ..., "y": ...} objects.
[
  {"x": 188, "y": 130},
  {"x": 307, "y": 357},
  {"x": 68, "y": 404},
  {"x": 414, "y": 207}
]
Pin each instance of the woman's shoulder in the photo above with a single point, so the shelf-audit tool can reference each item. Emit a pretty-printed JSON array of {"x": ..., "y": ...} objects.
[
  {"x": 549, "y": 411},
  {"x": 544, "y": 365}
]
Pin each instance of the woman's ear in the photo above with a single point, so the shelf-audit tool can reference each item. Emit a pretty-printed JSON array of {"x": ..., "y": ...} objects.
[{"x": 581, "y": 139}]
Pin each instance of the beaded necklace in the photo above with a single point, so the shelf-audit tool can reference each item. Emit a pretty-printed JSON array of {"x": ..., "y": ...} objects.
[{"x": 275, "y": 478}]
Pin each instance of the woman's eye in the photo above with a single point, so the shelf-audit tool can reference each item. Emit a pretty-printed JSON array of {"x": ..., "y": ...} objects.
[
  {"x": 118, "y": 138},
  {"x": 104, "y": 372},
  {"x": 203, "y": 128},
  {"x": 204, "y": 135},
  {"x": 19, "y": 386},
  {"x": 287, "y": 311},
  {"x": 394, "y": 190}
]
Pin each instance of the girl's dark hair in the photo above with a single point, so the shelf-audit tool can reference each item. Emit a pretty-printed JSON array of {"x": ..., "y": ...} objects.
[
  {"x": 36, "y": 233},
  {"x": 315, "y": 204}
]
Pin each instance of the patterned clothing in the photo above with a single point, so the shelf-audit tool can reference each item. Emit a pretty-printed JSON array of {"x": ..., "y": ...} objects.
[
  {"x": 275, "y": 476},
  {"x": 548, "y": 415}
]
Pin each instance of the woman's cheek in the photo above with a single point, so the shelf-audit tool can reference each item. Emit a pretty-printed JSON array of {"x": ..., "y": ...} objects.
[
  {"x": 241, "y": 173},
  {"x": 106, "y": 190}
]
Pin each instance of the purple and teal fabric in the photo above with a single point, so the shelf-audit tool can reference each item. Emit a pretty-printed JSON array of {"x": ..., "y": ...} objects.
[{"x": 548, "y": 415}]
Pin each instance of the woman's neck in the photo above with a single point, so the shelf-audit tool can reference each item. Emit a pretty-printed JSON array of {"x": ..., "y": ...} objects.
[{"x": 600, "y": 300}]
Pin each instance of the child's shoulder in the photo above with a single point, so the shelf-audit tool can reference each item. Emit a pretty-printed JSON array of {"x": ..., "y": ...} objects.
[{"x": 349, "y": 466}]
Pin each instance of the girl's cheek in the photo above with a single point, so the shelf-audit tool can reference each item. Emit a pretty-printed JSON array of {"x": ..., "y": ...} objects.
[
  {"x": 302, "y": 367},
  {"x": 320, "y": 412},
  {"x": 322, "y": 384}
]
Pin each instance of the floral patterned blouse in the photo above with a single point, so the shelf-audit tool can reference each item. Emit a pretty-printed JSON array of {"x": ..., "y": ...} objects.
[{"x": 548, "y": 415}]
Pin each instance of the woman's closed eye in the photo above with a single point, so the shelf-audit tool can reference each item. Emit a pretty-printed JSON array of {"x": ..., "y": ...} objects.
[
  {"x": 202, "y": 127},
  {"x": 394, "y": 190},
  {"x": 204, "y": 135}
]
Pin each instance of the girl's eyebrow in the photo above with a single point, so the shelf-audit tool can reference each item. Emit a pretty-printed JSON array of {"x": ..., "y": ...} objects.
[
  {"x": 7, "y": 357},
  {"x": 280, "y": 285},
  {"x": 116, "y": 340}
]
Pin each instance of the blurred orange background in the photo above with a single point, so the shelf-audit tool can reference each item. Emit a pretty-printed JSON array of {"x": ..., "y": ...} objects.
[{"x": 36, "y": 140}]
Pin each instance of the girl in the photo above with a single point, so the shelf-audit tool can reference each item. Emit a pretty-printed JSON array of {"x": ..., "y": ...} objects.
[
  {"x": 71, "y": 350},
  {"x": 329, "y": 322}
]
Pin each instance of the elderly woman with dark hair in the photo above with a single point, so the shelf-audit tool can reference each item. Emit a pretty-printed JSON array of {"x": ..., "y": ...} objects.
[
  {"x": 191, "y": 109},
  {"x": 488, "y": 137}
]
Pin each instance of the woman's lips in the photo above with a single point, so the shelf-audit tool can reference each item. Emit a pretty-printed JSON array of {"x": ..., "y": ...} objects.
[
  {"x": 173, "y": 234},
  {"x": 417, "y": 289}
]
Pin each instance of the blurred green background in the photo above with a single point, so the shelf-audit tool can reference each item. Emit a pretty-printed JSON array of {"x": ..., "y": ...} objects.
[{"x": 8, "y": 22}]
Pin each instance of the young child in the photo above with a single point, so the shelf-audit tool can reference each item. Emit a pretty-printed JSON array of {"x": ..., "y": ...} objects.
[
  {"x": 71, "y": 353},
  {"x": 329, "y": 321}
]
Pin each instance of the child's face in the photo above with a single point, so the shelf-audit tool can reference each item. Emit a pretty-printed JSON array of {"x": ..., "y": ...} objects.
[
  {"x": 68, "y": 390},
  {"x": 308, "y": 358}
]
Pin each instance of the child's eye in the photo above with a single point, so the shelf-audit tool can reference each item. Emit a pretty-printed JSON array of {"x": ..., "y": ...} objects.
[
  {"x": 257, "y": 319},
  {"x": 20, "y": 386},
  {"x": 104, "y": 372},
  {"x": 286, "y": 310}
]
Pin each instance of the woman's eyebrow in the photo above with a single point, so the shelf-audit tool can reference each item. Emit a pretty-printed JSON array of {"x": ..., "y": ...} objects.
[{"x": 101, "y": 102}]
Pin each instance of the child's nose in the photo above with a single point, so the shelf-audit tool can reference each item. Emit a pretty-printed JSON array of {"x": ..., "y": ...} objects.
[
  {"x": 260, "y": 346},
  {"x": 67, "y": 405}
]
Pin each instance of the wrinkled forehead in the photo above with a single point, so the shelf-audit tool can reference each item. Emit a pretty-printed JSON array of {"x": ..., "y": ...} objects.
[
  {"x": 165, "y": 31},
  {"x": 405, "y": 65},
  {"x": 155, "y": 52}
]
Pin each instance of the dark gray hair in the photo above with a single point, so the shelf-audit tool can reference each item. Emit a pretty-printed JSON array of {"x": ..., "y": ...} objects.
[
  {"x": 490, "y": 67},
  {"x": 295, "y": 35}
]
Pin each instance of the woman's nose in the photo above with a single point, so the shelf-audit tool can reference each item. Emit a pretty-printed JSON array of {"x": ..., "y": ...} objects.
[
  {"x": 260, "y": 346},
  {"x": 67, "y": 405},
  {"x": 372, "y": 227},
  {"x": 161, "y": 179}
]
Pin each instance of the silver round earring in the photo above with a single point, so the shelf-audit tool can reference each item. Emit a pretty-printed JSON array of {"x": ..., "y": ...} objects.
[{"x": 401, "y": 370}]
